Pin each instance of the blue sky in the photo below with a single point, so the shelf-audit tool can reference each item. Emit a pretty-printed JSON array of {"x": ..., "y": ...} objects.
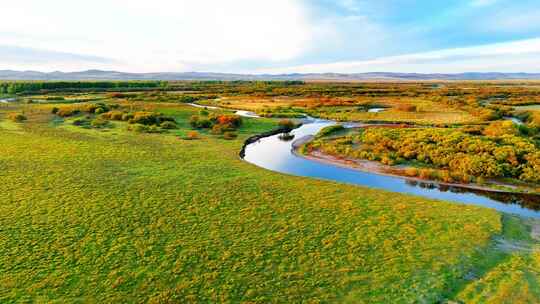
[{"x": 278, "y": 36}]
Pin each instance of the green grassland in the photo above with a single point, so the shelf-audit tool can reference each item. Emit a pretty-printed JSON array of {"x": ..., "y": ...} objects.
[
  {"x": 110, "y": 216},
  {"x": 513, "y": 281}
]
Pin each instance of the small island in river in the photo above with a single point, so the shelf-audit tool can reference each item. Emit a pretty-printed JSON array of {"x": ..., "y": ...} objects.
[{"x": 492, "y": 157}]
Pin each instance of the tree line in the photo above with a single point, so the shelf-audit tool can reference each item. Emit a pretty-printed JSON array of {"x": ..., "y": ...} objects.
[{"x": 18, "y": 87}]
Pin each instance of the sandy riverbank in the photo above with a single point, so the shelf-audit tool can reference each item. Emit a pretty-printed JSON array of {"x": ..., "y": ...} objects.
[{"x": 378, "y": 168}]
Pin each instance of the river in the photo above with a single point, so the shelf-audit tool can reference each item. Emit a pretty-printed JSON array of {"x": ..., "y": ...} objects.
[
  {"x": 275, "y": 154},
  {"x": 242, "y": 113}
]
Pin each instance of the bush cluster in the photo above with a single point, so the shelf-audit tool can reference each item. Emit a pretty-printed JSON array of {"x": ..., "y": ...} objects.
[
  {"x": 218, "y": 123},
  {"x": 115, "y": 115},
  {"x": 330, "y": 130},
  {"x": 142, "y": 118},
  {"x": 192, "y": 135},
  {"x": 149, "y": 118},
  {"x": 144, "y": 121},
  {"x": 117, "y": 95},
  {"x": 188, "y": 99},
  {"x": 198, "y": 122},
  {"x": 407, "y": 108},
  {"x": 99, "y": 123},
  {"x": 500, "y": 128},
  {"x": 287, "y": 124},
  {"x": 225, "y": 125},
  {"x": 451, "y": 155},
  {"x": 87, "y": 122},
  {"x": 54, "y": 98},
  {"x": 17, "y": 117},
  {"x": 91, "y": 108},
  {"x": 282, "y": 112},
  {"x": 66, "y": 111}
]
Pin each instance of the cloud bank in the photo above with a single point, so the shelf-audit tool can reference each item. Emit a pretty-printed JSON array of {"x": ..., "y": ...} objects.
[
  {"x": 517, "y": 56},
  {"x": 278, "y": 35},
  {"x": 161, "y": 35}
]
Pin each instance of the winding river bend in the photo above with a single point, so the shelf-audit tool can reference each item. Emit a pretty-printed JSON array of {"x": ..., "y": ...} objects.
[{"x": 276, "y": 154}]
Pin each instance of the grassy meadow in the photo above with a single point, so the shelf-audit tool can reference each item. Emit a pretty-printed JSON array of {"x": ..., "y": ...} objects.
[
  {"x": 108, "y": 215},
  {"x": 343, "y": 109}
]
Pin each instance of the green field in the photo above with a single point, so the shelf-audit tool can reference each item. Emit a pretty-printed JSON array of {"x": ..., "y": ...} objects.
[
  {"x": 96, "y": 216},
  {"x": 114, "y": 216}
]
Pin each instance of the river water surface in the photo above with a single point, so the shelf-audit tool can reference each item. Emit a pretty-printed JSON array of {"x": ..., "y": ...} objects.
[{"x": 275, "y": 154}]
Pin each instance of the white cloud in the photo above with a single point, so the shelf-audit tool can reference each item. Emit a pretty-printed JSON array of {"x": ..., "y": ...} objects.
[
  {"x": 483, "y": 2},
  {"x": 517, "y": 56},
  {"x": 238, "y": 35},
  {"x": 164, "y": 35}
]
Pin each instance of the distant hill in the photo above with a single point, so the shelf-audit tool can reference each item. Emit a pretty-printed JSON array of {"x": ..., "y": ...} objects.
[{"x": 114, "y": 75}]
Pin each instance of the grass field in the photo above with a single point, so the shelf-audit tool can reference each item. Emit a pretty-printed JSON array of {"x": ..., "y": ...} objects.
[
  {"x": 514, "y": 281},
  {"x": 115, "y": 216},
  {"x": 426, "y": 111},
  {"x": 442, "y": 116}
]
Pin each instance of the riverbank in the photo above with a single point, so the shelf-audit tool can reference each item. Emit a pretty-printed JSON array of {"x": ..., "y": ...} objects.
[{"x": 393, "y": 171}]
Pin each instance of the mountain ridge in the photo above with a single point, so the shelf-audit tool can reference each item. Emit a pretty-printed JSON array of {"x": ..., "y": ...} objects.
[{"x": 116, "y": 75}]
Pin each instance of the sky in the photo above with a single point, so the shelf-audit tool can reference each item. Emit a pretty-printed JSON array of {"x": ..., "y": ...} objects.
[{"x": 271, "y": 36}]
